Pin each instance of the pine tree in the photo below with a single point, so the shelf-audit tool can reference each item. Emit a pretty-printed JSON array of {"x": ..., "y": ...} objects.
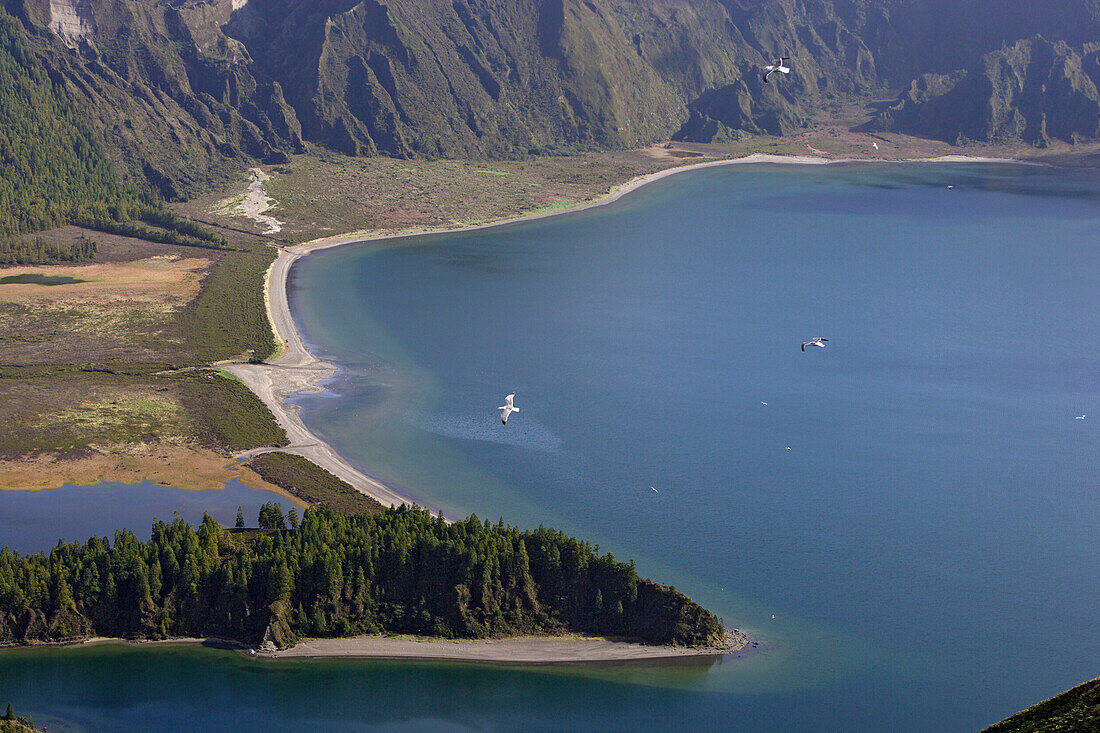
[{"x": 240, "y": 518}]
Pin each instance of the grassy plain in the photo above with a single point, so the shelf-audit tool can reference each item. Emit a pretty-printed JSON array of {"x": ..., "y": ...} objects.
[
  {"x": 326, "y": 194},
  {"x": 109, "y": 378}
]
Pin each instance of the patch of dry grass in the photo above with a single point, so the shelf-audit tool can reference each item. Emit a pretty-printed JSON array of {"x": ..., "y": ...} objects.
[
  {"x": 185, "y": 467},
  {"x": 321, "y": 195},
  {"x": 119, "y": 312},
  {"x": 121, "y": 414}
]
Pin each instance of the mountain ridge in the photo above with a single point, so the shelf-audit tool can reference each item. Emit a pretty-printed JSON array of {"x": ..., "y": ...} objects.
[{"x": 181, "y": 93}]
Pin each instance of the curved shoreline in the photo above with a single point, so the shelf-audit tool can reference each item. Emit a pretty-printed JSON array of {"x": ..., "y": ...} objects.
[
  {"x": 296, "y": 371},
  {"x": 509, "y": 650},
  {"x": 564, "y": 649}
]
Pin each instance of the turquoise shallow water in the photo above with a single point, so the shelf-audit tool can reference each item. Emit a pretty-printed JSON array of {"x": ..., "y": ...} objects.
[{"x": 927, "y": 546}]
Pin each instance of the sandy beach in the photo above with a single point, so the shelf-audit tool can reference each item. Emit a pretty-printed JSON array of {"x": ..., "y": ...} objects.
[
  {"x": 518, "y": 650},
  {"x": 296, "y": 371},
  {"x": 513, "y": 650}
]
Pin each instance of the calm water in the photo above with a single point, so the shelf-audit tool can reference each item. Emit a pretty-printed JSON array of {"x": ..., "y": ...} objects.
[
  {"x": 33, "y": 521},
  {"x": 927, "y": 546}
]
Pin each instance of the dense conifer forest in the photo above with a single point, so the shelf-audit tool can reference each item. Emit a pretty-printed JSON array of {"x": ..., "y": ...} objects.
[
  {"x": 397, "y": 571},
  {"x": 38, "y": 251}
]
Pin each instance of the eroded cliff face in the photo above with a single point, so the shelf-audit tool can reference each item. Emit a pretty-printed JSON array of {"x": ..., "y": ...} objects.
[
  {"x": 1033, "y": 91},
  {"x": 72, "y": 20},
  {"x": 463, "y": 77},
  {"x": 182, "y": 91},
  {"x": 511, "y": 77}
]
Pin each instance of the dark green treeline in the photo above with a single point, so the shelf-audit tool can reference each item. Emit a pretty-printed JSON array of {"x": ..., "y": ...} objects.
[
  {"x": 399, "y": 571},
  {"x": 41, "y": 252},
  {"x": 51, "y": 167}
]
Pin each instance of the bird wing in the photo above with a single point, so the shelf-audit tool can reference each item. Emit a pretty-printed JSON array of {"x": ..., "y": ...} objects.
[
  {"x": 805, "y": 344},
  {"x": 509, "y": 398},
  {"x": 820, "y": 339},
  {"x": 766, "y": 73},
  {"x": 504, "y": 413}
]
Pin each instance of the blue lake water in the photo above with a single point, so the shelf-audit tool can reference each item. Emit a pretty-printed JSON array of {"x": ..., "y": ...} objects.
[
  {"x": 33, "y": 521},
  {"x": 927, "y": 547}
]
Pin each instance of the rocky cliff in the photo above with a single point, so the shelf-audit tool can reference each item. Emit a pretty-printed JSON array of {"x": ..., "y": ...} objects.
[
  {"x": 181, "y": 91},
  {"x": 1033, "y": 90}
]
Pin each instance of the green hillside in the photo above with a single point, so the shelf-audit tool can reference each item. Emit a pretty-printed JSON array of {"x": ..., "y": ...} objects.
[
  {"x": 1073, "y": 711},
  {"x": 52, "y": 166}
]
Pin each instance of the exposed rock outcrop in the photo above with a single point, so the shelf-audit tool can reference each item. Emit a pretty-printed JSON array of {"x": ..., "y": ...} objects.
[
  {"x": 1031, "y": 91},
  {"x": 72, "y": 20}
]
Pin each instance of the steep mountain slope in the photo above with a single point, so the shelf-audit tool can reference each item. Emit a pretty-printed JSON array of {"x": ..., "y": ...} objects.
[
  {"x": 179, "y": 92},
  {"x": 50, "y": 163},
  {"x": 443, "y": 78},
  {"x": 169, "y": 96},
  {"x": 1034, "y": 90}
]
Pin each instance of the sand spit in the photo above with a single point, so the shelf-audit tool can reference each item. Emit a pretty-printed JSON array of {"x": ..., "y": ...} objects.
[
  {"x": 510, "y": 650},
  {"x": 517, "y": 650}
]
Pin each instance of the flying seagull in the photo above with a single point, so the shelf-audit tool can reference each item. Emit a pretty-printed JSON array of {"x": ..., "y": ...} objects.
[
  {"x": 1079, "y": 417},
  {"x": 815, "y": 342},
  {"x": 507, "y": 408},
  {"x": 654, "y": 489},
  {"x": 765, "y": 404},
  {"x": 788, "y": 447},
  {"x": 777, "y": 66},
  {"x": 875, "y": 144}
]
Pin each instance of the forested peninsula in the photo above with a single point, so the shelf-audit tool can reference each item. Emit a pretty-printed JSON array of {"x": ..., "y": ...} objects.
[{"x": 333, "y": 575}]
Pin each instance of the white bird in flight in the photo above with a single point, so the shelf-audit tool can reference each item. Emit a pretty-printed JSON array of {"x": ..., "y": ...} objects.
[
  {"x": 777, "y": 66},
  {"x": 765, "y": 404},
  {"x": 875, "y": 144},
  {"x": 654, "y": 489},
  {"x": 1079, "y": 417},
  {"x": 814, "y": 342},
  {"x": 507, "y": 408}
]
